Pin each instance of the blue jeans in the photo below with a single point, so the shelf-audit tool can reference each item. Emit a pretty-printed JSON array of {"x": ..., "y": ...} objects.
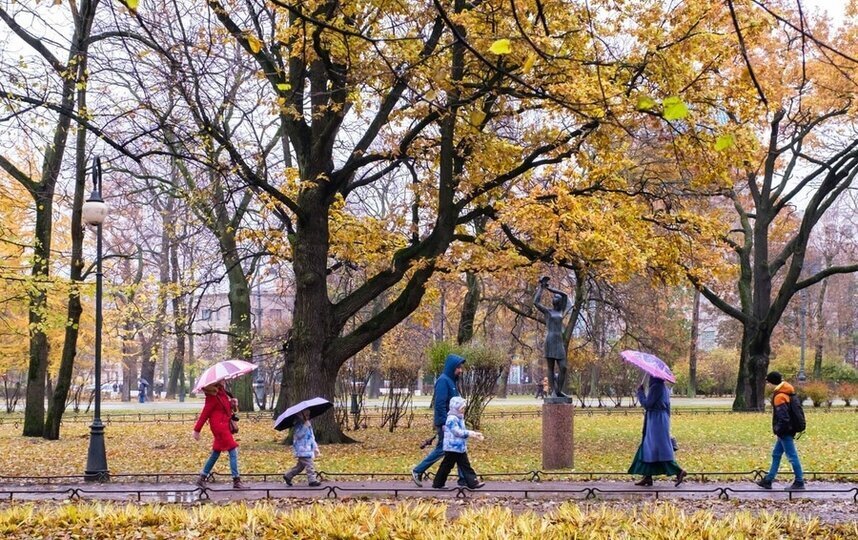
[
  {"x": 436, "y": 454},
  {"x": 785, "y": 445},
  {"x": 141, "y": 397},
  {"x": 233, "y": 462}
]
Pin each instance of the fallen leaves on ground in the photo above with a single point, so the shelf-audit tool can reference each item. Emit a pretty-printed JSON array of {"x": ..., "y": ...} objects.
[{"x": 719, "y": 442}]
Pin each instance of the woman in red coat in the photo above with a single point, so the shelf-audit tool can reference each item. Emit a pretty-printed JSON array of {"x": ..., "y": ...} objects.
[{"x": 218, "y": 411}]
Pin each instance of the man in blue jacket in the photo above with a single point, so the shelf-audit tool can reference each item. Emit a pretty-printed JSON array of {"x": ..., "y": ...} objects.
[{"x": 445, "y": 389}]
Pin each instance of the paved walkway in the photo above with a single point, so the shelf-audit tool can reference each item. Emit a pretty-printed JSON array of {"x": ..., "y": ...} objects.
[{"x": 599, "y": 490}]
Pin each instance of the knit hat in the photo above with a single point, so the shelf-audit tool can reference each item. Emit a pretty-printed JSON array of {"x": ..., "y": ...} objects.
[{"x": 774, "y": 378}]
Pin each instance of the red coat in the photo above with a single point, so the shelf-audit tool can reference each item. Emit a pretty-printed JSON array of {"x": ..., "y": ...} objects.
[{"x": 218, "y": 412}]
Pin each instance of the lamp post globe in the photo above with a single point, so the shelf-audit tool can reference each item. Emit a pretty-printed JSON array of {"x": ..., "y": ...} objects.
[
  {"x": 94, "y": 210},
  {"x": 93, "y": 213}
]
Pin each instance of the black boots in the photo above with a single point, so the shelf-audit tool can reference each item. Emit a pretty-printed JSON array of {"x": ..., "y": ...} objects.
[{"x": 645, "y": 482}]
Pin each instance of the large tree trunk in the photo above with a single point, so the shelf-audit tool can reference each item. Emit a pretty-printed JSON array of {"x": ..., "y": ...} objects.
[
  {"x": 179, "y": 325},
  {"x": 819, "y": 338},
  {"x": 130, "y": 353},
  {"x": 469, "y": 309},
  {"x": 34, "y": 411},
  {"x": 240, "y": 322},
  {"x": 64, "y": 378},
  {"x": 309, "y": 373},
  {"x": 759, "y": 351},
  {"x": 148, "y": 360},
  {"x": 692, "y": 355}
]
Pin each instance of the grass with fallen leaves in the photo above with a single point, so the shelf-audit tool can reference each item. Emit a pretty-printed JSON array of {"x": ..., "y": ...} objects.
[{"x": 717, "y": 442}]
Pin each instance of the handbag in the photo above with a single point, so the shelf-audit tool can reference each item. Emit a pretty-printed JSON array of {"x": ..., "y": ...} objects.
[
  {"x": 672, "y": 443},
  {"x": 233, "y": 425}
]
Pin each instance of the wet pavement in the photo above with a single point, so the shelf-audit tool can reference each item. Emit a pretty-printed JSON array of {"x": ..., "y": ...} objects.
[{"x": 186, "y": 492}]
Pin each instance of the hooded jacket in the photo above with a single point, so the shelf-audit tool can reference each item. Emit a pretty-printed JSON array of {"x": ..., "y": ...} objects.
[
  {"x": 445, "y": 388},
  {"x": 455, "y": 434},
  {"x": 781, "y": 423},
  {"x": 304, "y": 440}
]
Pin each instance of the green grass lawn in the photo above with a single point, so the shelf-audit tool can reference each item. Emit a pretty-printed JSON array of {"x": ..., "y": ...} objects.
[{"x": 606, "y": 443}]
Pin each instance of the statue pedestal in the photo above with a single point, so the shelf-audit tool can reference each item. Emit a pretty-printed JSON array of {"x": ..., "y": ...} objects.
[{"x": 557, "y": 434}]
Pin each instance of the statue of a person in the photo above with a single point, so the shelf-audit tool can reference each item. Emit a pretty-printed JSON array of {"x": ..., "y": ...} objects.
[{"x": 555, "y": 342}]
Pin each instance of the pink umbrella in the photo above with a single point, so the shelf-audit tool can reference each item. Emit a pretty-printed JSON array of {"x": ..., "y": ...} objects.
[
  {"x": 650, "y": 364},
  {"x": 223, "y": 371}
]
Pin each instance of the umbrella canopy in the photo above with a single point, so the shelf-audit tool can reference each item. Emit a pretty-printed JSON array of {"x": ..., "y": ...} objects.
[
  {"x": 144, "y": 382},
  {"x": 223, "y": 371},
  {"x": 649, "y": 363},
  {"x": 316, "y": 406}
]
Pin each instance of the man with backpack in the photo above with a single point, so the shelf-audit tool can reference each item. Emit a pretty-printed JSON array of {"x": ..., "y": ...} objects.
[{"x": 787, "y": 420}]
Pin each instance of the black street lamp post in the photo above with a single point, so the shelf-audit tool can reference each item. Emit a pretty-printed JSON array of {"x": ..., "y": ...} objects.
[{"x": 94, "y": 212}]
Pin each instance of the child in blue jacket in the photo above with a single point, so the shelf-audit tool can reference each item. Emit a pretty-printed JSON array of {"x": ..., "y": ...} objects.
[
  {"x": 456, "y": 447},
  {"x": 305, "y": 448}
]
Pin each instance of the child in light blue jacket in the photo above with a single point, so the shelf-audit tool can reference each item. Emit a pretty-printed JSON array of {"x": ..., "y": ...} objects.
[
  {"x": 456, "y": 447},
  {"x": 305, "y": 448}
]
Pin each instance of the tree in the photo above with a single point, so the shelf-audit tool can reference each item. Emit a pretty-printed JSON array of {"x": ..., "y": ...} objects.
[
  {"x": 68, "y": 76},
  {"x": 802, "y": 104},
  {"x": 326, "y": 73}
]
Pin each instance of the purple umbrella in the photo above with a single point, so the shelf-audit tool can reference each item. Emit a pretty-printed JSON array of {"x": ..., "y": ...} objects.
[{"x": 650, "y": 364}]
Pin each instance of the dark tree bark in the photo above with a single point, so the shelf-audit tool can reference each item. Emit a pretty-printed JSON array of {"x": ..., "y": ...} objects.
[
  {"x": 819, "y": 338},
  {"x": 470, "y": 305},
  {"x": 180, "y": 329},
  {"x": 692, "y": 355}
]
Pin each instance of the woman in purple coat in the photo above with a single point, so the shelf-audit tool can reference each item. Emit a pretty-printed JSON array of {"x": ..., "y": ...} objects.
[{"x": 655, "y": 454}]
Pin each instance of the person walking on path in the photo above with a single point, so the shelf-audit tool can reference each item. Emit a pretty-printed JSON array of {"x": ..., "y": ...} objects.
[
  {"x": 783, "y": 428},
  {"x": 142, "y": 388},
  {"x": 445, "y": 390},
  {"x": 456, "y": 447},
  {"x": 655, "y": 454},
  {"x": 305, "y": 448},
  {"x": 218, "y": 411}
]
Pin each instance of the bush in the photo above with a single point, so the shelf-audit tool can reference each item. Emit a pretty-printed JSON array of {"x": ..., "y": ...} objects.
[
  {"x": 483, "y": 367},
  {"x": 717, "y": 371},
  {"x": 818, "y": 392},
  {"x": 848, "y": 392},
  {"x": 839, "y": 372},
  {"x": 438, "y": 352}
]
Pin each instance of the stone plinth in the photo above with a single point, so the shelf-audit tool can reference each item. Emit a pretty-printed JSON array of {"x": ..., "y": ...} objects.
[{"x": 557, "y": 434}]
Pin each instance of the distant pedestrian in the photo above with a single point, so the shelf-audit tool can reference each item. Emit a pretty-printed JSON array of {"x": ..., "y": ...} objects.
[
  {"x": 456, "y": 447},
  {"x": 543, "y": 389},
  {"x": 141, "y": 391},
  {"x": 445, "y": 389},
  {"x": 218, "y": 411},
  {"x": 785, "y": 428},
  {"x": 655, "y": 454},
  {"x": 305, "y": 448}
]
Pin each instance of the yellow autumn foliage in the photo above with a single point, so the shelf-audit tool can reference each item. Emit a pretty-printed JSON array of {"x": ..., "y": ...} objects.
[{"x": 412, "y": 520}]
